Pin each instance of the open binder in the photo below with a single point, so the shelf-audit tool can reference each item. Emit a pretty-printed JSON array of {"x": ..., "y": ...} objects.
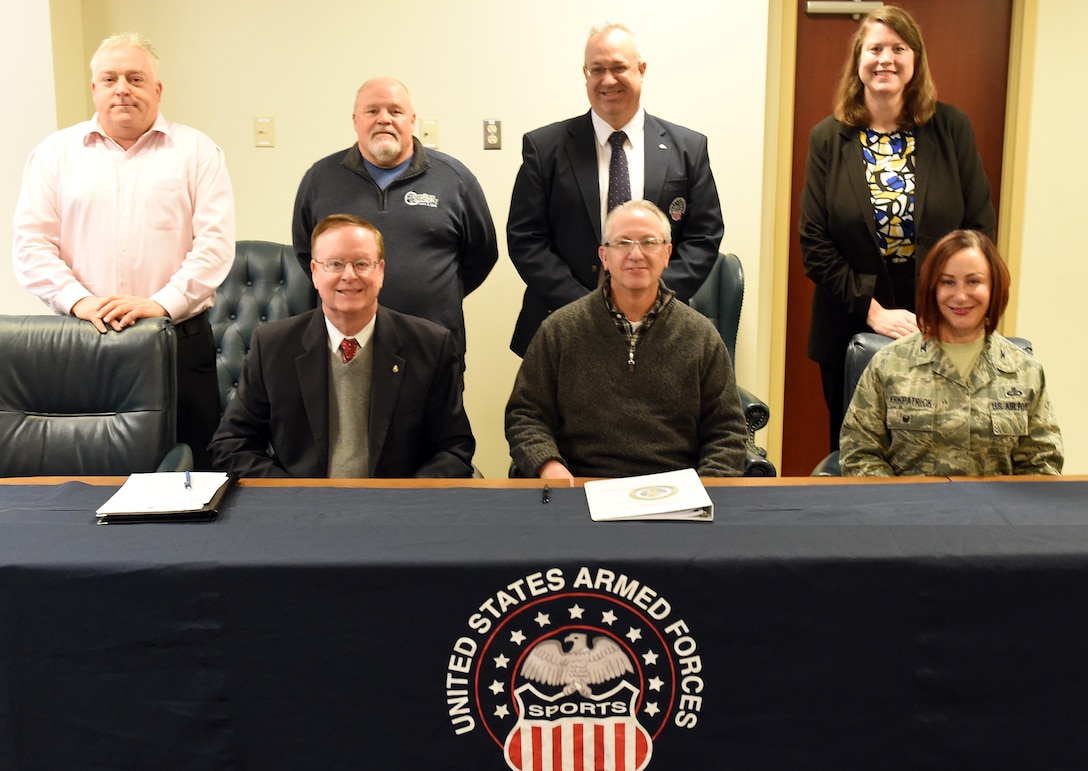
[{"x": 167, "y": 497}]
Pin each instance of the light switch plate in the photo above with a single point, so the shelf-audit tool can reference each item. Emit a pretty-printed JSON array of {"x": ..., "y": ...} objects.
[
  {"x": 264, "y": 131},
  {"x": 428, "y": 133}
]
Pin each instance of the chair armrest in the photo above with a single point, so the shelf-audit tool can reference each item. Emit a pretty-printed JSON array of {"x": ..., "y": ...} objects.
[
  {"x": 180, "y": 458},
  {"x": 828, "y": 467},
  {"x": 755, "y": 465},
  {"x": 756, "y": 414},
  {"x": 756, "y": 411}
]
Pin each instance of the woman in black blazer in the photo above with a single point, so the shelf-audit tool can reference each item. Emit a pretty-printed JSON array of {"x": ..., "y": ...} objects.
[{"x": 887, "y": 175}]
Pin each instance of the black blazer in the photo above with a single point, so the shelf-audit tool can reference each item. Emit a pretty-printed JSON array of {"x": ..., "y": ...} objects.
[
  {"x": 554, "y": 227},
  {"x": 277, "y": 425},
  {"x": 838, "y": 233}
]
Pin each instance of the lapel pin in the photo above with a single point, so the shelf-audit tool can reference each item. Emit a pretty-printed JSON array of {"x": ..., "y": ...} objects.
[
  {"x": 396, "y": 369},
  {"x": 663, "y": 147}
]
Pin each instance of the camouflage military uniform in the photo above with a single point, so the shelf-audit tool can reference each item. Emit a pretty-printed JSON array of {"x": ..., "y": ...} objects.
[{"x": 913, "y": 414}]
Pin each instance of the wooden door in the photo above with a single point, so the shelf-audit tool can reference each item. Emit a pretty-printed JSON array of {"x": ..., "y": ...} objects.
[{"x": 967, "y": 44}]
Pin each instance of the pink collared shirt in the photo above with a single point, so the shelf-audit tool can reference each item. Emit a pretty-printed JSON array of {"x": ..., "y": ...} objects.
[{"x": 154, "y": 221}]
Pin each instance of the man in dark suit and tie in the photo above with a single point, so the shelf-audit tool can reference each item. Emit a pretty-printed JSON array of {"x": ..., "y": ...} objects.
[
  {"x": 571, "y": 176},
  {"x": 350, "y": 389}
]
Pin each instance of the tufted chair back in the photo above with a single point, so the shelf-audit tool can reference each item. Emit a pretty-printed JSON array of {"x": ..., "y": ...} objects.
[
  {"x": 266, "y": 283},
  {"x": 75, "y": 402},
  {"x": 720, "y": 299}
]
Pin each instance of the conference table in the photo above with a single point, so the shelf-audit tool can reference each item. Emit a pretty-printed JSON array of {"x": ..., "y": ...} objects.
[{"x": 470, "y": 625}]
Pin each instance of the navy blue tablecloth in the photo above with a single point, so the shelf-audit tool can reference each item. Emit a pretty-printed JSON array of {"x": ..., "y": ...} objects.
[{"x": 815, "y": 626}]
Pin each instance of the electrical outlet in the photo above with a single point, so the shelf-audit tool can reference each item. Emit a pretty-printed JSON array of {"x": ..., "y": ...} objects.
[{"x": 492, "y": 134}]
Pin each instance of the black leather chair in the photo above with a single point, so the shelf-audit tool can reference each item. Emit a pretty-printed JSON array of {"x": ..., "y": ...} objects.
[
  {"x": 75, "y": 402},
  {"x": 265, "y": 283},
  {"x": 859, "y": 352},
  {"x": 719, "y": 299}
]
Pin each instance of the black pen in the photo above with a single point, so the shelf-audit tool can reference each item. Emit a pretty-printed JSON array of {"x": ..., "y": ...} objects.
[
  {"x": 547, "y": 496},
  {"x": 188, "y": 481}
]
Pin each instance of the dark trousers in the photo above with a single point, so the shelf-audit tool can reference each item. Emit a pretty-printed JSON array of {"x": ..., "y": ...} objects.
[
  {"x": 198, "y": 387},
  {"x": 834, "y": 382}
]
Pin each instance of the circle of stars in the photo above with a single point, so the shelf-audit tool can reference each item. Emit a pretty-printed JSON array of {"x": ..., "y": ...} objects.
[{"x": 497, "y": 674}]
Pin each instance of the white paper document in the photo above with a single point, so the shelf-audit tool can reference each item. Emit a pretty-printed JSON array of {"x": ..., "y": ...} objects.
[
  {"x": 161, "y": 492},
  {"x": 669, "y": 495}
]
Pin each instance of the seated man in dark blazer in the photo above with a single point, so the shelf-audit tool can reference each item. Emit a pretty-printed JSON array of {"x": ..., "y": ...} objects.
[{"x": 350, "y": 389}]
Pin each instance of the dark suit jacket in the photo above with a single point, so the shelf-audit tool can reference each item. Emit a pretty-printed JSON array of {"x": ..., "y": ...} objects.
[
  {"x": 277, "y": 425},
  {"x": 554, "y": 227},
  {"x": 838, "y": 233}
]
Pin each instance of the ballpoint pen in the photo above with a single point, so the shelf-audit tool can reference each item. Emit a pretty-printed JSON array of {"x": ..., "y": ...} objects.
[
  {"x": 547, "y": 496},
  {"x": 188, "y": 481}
]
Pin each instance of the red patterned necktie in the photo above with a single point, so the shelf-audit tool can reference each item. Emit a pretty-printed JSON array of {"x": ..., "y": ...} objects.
[{"x": 349, "y": 347}]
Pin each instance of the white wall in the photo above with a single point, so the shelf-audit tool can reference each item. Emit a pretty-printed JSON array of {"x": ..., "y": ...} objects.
[
  {"x": 1053, "y": 269},
  {"x": 224, "y": 62},
  {"x": 26, "y": 54}
]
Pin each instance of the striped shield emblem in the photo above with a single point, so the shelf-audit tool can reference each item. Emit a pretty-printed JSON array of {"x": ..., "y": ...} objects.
[{"x": 575, "y": 732}]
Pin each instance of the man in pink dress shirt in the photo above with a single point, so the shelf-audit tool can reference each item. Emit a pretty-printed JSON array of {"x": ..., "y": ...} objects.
[{"x": 130, "y": 215}]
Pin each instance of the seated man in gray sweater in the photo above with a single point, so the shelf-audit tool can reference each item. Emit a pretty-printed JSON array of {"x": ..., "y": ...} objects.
[{"x": 627, "y": 380}]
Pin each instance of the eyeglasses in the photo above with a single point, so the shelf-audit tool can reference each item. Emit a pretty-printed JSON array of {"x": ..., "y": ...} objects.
[
  {"x": 362, "y": 267},
  {"x": 617, "y": 70},
  {"x": 647, "y": 245}
]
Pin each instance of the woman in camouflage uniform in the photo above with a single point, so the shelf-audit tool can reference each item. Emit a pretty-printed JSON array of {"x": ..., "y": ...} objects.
[{"x": 955, "y": 398}]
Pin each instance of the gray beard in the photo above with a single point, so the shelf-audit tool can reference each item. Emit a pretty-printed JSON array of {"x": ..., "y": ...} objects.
[{"x": 385, "y": 151}]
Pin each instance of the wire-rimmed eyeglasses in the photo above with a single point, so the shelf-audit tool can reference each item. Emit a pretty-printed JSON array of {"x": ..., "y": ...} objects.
[
  {"x": 362, "y": 267},
  {"x": 647, "y": 245}
]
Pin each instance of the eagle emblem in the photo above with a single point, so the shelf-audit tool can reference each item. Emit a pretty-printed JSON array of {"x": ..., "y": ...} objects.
[{"x": 580, "y": 667}]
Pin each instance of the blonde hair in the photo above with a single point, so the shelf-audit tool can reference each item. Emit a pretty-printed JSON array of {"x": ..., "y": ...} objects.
[
  {"x": 608, "y": 27},
  {"x": 640, "y": 204},
  {"x": 127, "y": 40}
]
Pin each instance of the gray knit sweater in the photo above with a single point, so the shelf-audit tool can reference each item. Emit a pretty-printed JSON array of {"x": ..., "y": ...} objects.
[{"x": 578, "y": 399}]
